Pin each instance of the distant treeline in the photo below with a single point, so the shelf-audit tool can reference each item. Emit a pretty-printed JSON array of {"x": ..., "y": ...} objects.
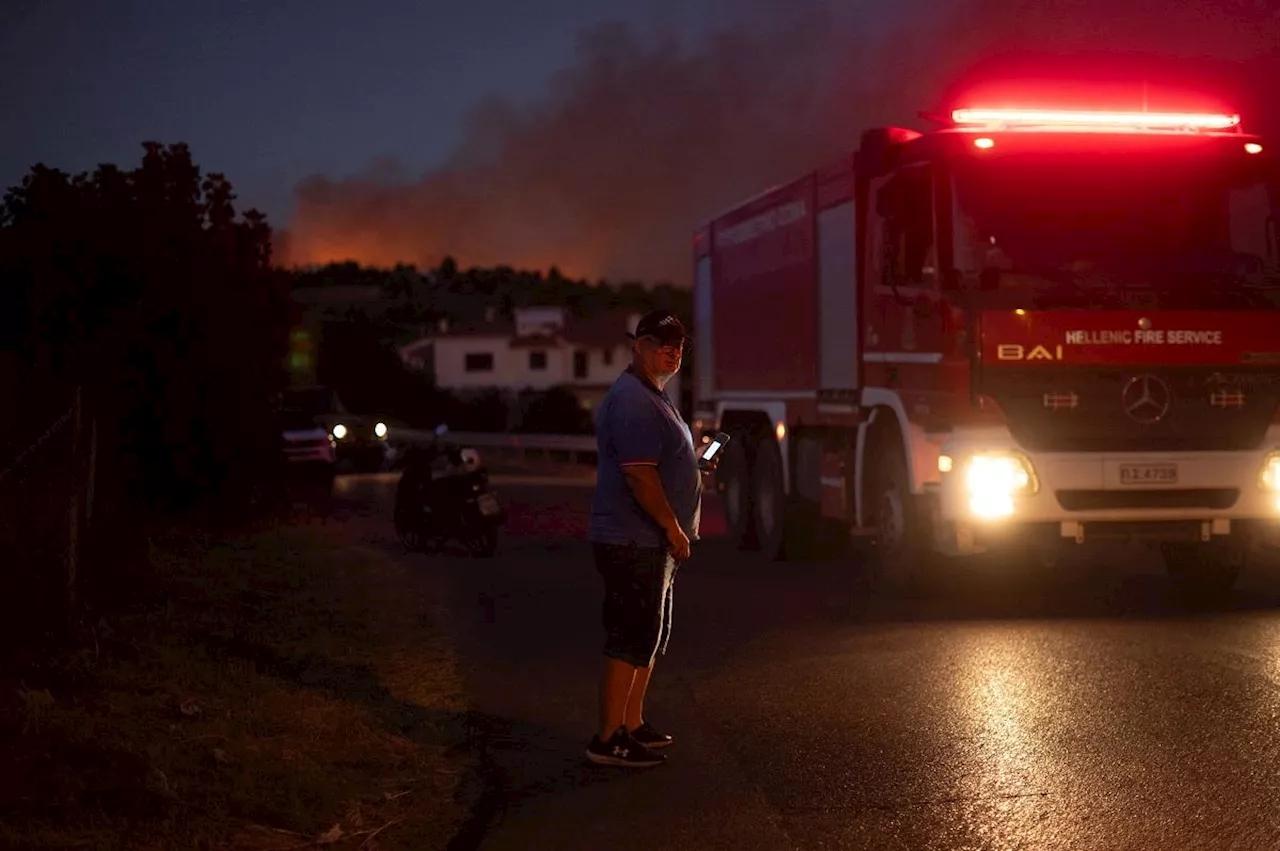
[{"x": 414, "y": 297}]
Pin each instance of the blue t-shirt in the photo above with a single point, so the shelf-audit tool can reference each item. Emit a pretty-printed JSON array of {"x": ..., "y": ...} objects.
[{"x": 637, "y": 424}]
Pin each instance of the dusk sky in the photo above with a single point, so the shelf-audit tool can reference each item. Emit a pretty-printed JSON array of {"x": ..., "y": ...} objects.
[
  {"x": 270, "y": 91},
  {"x": 367, "y": 131}
]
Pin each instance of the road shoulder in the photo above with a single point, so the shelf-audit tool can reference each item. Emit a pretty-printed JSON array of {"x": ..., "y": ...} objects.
[{"x": 285, "y": 684}]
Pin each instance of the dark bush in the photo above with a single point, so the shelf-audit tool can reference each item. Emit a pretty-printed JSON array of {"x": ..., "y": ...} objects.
[
  {"x": 555, "y": 411},
  {"x": 484, "y": 410},
  {"x": 146, "y": 289}
]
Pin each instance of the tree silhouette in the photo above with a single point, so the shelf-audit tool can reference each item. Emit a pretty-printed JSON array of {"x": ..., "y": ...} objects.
[
  {"x": 144, "y": 288},
  {"x": 448, "y": 268},
  {"x": 466, "y": 295}
]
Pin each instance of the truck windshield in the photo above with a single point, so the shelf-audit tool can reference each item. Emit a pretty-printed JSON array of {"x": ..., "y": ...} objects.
[{"x": 1092, "y": 230}]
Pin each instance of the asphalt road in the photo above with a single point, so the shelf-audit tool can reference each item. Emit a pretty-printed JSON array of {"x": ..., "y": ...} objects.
[{"x": 1074, "y": 707}]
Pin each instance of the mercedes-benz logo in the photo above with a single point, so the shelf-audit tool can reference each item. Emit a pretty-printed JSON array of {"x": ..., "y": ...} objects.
[{"x": 1146, "y": 399}]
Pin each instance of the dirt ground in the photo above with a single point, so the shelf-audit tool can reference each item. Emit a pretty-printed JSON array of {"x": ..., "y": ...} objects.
[{"x": 285, "y": 687}]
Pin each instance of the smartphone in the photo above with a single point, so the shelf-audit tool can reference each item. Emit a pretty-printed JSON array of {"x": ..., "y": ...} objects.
[{"x": 713, "y": 449}]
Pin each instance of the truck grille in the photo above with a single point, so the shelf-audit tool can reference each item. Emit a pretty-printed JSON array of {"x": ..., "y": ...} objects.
[
  {"x": 1098, "y": 500},
  {"x": 1135, "y": 409}
]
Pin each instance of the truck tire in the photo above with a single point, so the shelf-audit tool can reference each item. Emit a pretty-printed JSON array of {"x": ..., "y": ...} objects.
[
  {"x": 900, "y": 558},
  {"x": 1203, "y": 571},
  {"x": 769, "y": 510},
  {"x": 734, "y": 480}
]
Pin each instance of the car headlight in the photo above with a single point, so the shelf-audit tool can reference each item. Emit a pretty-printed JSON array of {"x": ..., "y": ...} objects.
[
  {"x": 339, "y": 431},
  {"x": 994, "y": 480},
  {"x": 380, "y": 430}
]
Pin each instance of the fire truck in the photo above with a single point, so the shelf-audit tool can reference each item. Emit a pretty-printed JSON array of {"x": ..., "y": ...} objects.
[{"x": 1016, "y": 331}]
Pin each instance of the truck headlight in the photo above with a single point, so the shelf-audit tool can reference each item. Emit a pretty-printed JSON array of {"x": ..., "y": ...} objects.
[
  {"x": 380, "y": 430},
  {"x": 993, "y": 480},
  {"x": 339, "y": 431},
  {"x": 1269, "y": 480}
]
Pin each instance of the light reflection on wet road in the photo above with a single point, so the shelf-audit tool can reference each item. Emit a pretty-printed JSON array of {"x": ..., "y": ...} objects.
[{"x": 1066, "y": 708}]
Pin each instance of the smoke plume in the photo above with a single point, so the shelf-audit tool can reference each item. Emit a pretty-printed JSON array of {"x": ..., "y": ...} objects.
[{"x": 644, "y": 137}]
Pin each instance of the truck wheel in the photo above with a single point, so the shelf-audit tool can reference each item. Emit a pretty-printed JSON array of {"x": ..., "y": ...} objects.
[
  {"x": 733, "y": 475},
  {"x": 1203, "y": 570},
  {"x": 769, "y": 501},
  {"x": 901, "y": 556}
]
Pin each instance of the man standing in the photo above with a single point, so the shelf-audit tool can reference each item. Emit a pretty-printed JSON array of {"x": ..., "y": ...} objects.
[{"x": 644, "y": 514}]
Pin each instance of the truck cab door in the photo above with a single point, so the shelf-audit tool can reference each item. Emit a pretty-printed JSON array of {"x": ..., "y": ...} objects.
[{"x": 903, "y": 281}]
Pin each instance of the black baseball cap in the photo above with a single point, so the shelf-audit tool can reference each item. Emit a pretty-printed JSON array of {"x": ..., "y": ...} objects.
[{"x": 662, "y": 325}]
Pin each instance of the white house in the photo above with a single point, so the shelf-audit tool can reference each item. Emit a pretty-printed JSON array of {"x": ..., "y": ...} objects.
[{"x": 542, "y": 348}]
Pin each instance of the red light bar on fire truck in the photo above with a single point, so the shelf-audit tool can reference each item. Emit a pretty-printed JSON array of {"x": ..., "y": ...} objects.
[{"x": 1094, "y": 119}]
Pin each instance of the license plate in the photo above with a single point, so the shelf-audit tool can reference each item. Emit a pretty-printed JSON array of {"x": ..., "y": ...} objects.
[
  {"x": 488, "y": 504},
  {"x": 1148, "y": 474}
]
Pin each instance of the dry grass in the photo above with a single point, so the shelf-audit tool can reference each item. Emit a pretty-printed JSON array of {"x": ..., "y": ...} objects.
[{"x": 290, "y": 690}]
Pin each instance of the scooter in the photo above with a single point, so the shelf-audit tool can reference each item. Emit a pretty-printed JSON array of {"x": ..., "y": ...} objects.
[{"x": 444, "y": 494}]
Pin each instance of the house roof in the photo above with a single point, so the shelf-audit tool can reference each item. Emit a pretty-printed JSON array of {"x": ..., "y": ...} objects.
[
  {"x": 605, "y": 331},
  {"x": 535, "y": 341},
  {"x": 419, "y": 345},
  {"x": 480, "y": 328}
]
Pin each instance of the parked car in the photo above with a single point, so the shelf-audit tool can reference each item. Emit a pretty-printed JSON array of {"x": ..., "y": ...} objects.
[
  {"x": 308, "y": 448},
  {"x": 361, "y": 442}
]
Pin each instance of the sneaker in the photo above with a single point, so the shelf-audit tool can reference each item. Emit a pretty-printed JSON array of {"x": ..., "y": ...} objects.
[
  {"x": 651, "y": 738},
  {"x": 622, "y": 750}
]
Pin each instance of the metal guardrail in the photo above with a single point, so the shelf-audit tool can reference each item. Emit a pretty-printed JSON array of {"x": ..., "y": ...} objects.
[{"x": 571, "y": 443}]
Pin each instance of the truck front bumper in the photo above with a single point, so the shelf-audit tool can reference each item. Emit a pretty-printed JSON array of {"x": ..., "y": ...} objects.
[{"x": 991, "y": 491}]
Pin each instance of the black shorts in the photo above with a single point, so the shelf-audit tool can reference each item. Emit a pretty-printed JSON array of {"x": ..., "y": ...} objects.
[{"x": 637, "y": 601}]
